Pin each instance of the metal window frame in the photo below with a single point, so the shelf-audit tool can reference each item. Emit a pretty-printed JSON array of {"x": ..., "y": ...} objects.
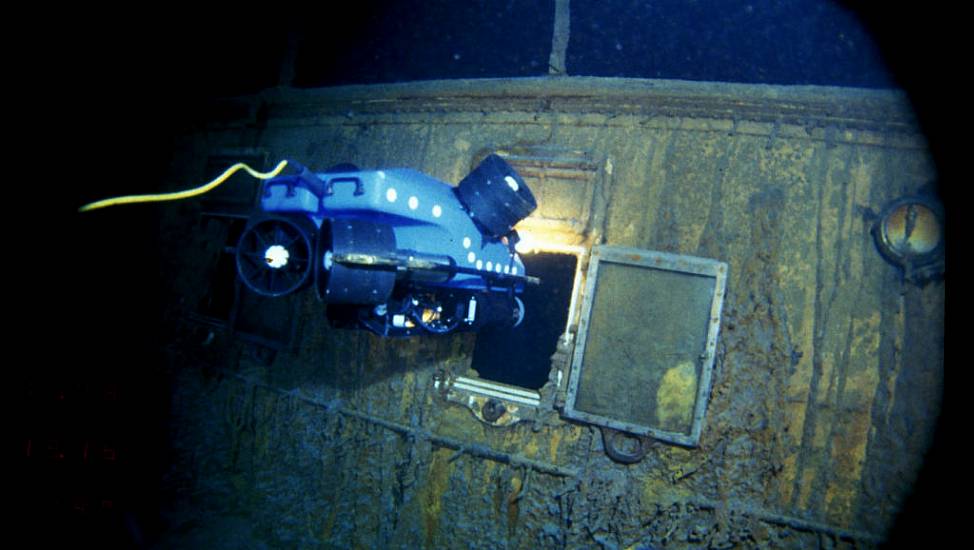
[
  {"x": 659, "y": 261},
  {"x": 521, "y": 402}
]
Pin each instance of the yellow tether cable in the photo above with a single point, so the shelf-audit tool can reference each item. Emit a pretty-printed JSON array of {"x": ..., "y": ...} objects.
[{"x": 178, "y": 195}]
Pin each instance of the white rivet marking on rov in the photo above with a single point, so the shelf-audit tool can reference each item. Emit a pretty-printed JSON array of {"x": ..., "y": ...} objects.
[
  {"x": 276, "y": 256},
  {"x": 391, "y": 194},
  {"x": 467, "y": 242},
  {"x": 480, "y": 264},
  {"x": 413, "y": 203},
  {"x": 490, "y": 266},
  {"x": 437, "y": 211},
  {"x": 497, "y": 268},
  {"x": 382, "y": 175},
  {"x": 471, "y": 257},
  {"x": 512, "y": 183},
  {"x": 514, "y": 270},
  {"x": 507, "y": 269}
]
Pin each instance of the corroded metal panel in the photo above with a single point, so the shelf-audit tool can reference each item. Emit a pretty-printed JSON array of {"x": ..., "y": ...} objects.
[
  {"x": 828, "y": 374},
  {"x": 564, "y": 183},
  {"x": 646, "y": 343}
]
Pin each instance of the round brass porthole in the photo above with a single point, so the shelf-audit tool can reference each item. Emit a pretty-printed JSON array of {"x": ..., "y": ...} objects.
[{"x": 910, "y": 234}]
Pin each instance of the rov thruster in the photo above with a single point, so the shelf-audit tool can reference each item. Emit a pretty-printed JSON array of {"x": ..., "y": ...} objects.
[{"x": 393, "y": 251}]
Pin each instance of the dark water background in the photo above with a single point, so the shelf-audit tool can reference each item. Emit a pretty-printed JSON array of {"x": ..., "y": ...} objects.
[
  {"x": 373, "y": 41},
  {"x": 791, "y": 42}
]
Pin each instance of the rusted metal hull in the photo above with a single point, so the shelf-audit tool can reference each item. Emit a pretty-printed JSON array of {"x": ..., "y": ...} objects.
[{"x": 829, "y": 370}]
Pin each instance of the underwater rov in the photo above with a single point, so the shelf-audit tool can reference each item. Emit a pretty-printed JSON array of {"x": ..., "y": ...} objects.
[{"x": 394, "y": 251}]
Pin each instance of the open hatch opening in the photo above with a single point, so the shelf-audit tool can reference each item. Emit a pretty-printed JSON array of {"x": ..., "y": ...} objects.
[{"x": 521, "y": 356}]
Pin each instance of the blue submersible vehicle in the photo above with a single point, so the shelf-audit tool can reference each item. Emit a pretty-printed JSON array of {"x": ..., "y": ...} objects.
[{"x": 393, "y": 251}]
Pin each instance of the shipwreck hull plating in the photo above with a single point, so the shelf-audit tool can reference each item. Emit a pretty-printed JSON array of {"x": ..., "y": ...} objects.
[{"x": 828, "y": 374}]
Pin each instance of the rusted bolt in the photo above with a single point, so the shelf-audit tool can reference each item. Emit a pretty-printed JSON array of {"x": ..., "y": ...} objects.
[{"x": 492, "y": 410}]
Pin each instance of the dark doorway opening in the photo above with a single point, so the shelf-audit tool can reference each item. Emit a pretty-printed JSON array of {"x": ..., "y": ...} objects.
[{"x": 521, "y": 356}]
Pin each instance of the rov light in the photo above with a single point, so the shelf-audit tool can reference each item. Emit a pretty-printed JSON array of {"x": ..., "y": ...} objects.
[{"x": 528, "y": 243}]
